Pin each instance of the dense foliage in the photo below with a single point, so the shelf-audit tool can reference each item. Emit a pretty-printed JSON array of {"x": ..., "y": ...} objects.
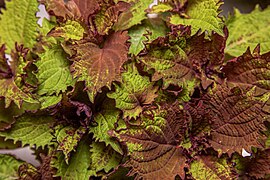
[{"x": 103, "y": 91}]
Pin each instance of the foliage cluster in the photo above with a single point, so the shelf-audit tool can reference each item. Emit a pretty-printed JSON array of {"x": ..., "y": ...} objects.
[{"x": 103, "y": 91}]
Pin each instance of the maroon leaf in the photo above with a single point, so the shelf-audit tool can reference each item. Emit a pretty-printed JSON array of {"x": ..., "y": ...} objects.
[
  {"x": 5, "y": 70},
  {"x": 249, "y": 70},
  {"x": 237, "y": 120},
  {"x": 97, "y": 66},
  {"x": 154, "y": 144}
]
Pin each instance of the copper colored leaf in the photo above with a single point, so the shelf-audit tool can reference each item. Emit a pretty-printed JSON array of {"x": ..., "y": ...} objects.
[
  {"x": 153, "y": 146},
  {"x": 237, "y": 120},
  {"x": 260, "y": 165},
  {"x": 248, "y": 70},
  {"x": 97, "y": 66}
]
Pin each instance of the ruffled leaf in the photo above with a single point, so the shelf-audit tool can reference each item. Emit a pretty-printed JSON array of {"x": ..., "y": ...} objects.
[
  {"x": 134, "y": 15},
  {"x": 201, "y": 15},
  {"x": 133, "y": 93},
  {"x": 145, "y": 33},
  {"x": 153, "y": 146},
  {"x": 70, "y": 30},
  {"x": 106, "y": 120},
  {"x": 209, "y": 167},
  {"x": 53, "y": 74},
  {"x": 237, "y": 120},
  {"x": 78, "y": 167},
  {"x": 9, "y": 167},
  {"x": 249, "y": 70},
  {"x": 97, "y": 66},
  {"x": 31, "y": 129},
  {"x": 103, "y": 157},
  {"x": 248, "y": 30},
  {"x": 18, "y": 23},
  {"x": 68, "y": 139}
]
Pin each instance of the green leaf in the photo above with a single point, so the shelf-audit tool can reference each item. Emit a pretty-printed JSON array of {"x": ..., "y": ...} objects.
[
  {"x": 134, "y": 92},
  {"x": 53, "y": 74},
  {"x": 48, "y": 101},
  {"x": 31, "y": 129},
  {"x": 9, "y": 167},
  {"x": 19, "y": 23},
  {"x": 202, "y": 14},
  {"x": 106, "y": 120},
  {"x": 103, "y": 157},
  {"x": 78, "y": 167},
  {"x": 135, "y": 15},
  {"x": 70, "y": 30},
  {"x": 68, "y": 139},
  {"x": 248, "y": 30},
  {"x": 212, "y": 168},
  {"x": 145, "y": 33}
]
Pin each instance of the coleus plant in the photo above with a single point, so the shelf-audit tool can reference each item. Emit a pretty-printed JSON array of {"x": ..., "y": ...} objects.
[{"x": 101, "y": 90}]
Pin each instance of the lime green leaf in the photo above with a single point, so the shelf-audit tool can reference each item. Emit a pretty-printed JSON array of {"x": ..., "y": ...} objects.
[
  {"x": 9, "y": 167},
  {"x": 248, "y": 30},
  {"x": 208, "y": 167},
  {"x": 31, "y": 129},
  {"x": 135, "y": 15},
  {"x": 103, "y": 157},
  {"x": 202, "y": 14},
  {"x": 145, "y": 33},
  {"x": 106, "y": 120},
  {"x": 134, "y": 92},
  {"x": 19, "y": 23},
  {"x": 70, "y": 30},
  {"x": 161, "y": 7},
  {"x": 48, "y": 101},
  {"x": 53, "y": 73},
  {"x": 78, "y": 167},
  {"x": 68, "y": 138}
]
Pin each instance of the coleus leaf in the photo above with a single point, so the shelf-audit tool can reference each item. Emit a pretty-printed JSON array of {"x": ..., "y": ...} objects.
[
  {"x": 48, "y": 101},
  {"x": 102, "y": 21},
  {"x": 31, "y": 129},
  {"x": 68, "y": 139},
  {"x": 249, "y": 70},
  {"x": 103, "y": 157},
  {"x": 201, "y": 15},
  {"x": 169, "y": 65},
  {"x": 245, "y": 32},
  {"x": 69, "y": 30},
  {"x": 133, "y": 93},
  {"x": 237, "y": 120},
  {"x": 18, "y": 23},
  {"x": 7, "y": 115},
  {"x": 9, "y": 167},
  {"x": 210, "y": 167},
  {"x": 134, "y": 15},
  {"x": 106, "y": 120},
  {"x": 53, "y": 74},
  {"x": 153, "y": 146},
  {"x": 145, "y": 33},
  {"x": 78, "y": 167},
  {"x": 11, "y": 73},
  {"x": 256, "y": 166},
  {"x": 97, "y": 66}
]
